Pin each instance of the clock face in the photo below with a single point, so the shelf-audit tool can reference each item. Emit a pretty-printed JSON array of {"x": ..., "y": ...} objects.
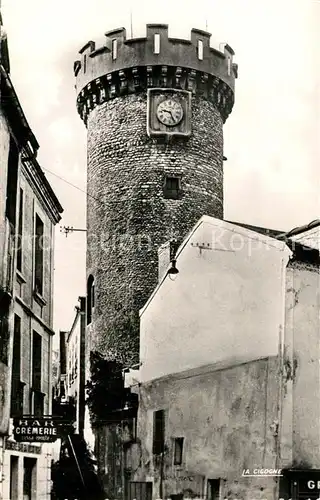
[{"x": 170, "y": 112}]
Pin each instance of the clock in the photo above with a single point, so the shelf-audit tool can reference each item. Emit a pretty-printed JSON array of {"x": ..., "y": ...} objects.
[{"x": 170, "y": 112}]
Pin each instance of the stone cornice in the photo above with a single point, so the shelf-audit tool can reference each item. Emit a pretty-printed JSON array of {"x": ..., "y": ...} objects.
[
  {"x": 42, "y": 188},
  {"x": 139, "y": 79}
]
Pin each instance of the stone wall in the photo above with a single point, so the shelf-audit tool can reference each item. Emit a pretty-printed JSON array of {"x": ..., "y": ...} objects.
[
  {"x": 128, "y": 217},
  {"x": 300, "y": 435},
  {"x": 225, "y": 426}
]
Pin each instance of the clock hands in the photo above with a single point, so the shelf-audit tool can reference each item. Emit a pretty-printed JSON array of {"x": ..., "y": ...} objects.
[{"x": 169, "y": 113}]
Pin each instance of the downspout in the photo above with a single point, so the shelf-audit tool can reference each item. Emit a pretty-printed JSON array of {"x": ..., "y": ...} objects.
[
  {"x": 161, "y": 475},
  {"x": 82, "y": 358},
  {"x": 278, "y": 423}
]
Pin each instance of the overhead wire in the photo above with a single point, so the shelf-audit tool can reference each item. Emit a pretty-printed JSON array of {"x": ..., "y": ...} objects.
[{"x": 74, "y": 186}]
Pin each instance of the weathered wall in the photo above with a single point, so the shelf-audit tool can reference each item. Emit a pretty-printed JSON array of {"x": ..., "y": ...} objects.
[
  {"x": 128, "y": 217},
  {"x": 6, "y": 310},
  {"x": 301, "y": 411},
  {"x": 225, "y": 305},
  {"x": 25, "y": 289},
  {"x": 4, "y": 152},
  {"x": 228, "y": 421}
]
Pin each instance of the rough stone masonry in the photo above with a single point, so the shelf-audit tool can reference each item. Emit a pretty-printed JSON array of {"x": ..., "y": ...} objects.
[{"x": 128, "y": 213}]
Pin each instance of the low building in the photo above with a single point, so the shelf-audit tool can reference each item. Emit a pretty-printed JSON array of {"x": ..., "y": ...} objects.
[
  {"x": 29, "y": 210},
  {"x": 229, "y": 381},
  {"x": 70, "y": 384}
]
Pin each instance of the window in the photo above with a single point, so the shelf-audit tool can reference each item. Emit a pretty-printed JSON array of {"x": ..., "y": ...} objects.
[
  {"x": 29, "y": 478},
  {"x": 171, "y": 189},
  {"x": 140, "y": 491},
  {"x": 200, "y": 50},
  {"x": 36, "y": 361},
  {"x": 158, "y": 432},
  {"x": 156, "y": 48},
  {"x": 229, "y": 66},
  {"x": 38, "y": 264},
  {"x": 114, "y": 49},
  {"x": 16, "y": 385},
  {"x": 213, "y": 492},
  {"x": 90, "y": 298},
  {"x": 4, "y": 331},
  {"x": 12, "y": 178},
  {"x": 20, "y": 230},
  {"x": 178, "y": 451},
  {"x": 14, "y": 463}
]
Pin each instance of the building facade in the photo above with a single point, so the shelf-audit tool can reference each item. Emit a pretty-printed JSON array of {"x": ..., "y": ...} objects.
[
  {"x": 229, "y": 378},
  {"x": 70, "y": 382},
  {"x": 29, "y": 212},
  {"x": 152, "y": 171}
]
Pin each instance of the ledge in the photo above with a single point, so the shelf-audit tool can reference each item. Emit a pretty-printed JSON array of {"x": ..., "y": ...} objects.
[
  {"x": 115, "y": 32},
  {"x": 95, "y": 52},
  {"x": 131, "y": 41},
  {"x": 30, "y": 312},
  {"x": 180, "y": 40},
  {"x": 156, "y": 25},
  {"x": 203, "y": 33},
  {"x": 20, "y": 278},
  {"x": 89, "y": 45},
  {"x": 41, "y": 301}
]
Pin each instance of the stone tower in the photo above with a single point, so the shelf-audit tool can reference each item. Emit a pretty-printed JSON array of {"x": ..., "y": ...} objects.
[{"x": 154, "y": 109}]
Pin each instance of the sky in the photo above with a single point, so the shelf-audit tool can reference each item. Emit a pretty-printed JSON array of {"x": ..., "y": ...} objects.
[{"x": 272, "y": 175}]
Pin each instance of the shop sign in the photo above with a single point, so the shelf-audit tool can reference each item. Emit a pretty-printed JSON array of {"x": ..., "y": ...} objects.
[
  {"x": 22, "y": 447},
  {"x": 36, "y": 429}
]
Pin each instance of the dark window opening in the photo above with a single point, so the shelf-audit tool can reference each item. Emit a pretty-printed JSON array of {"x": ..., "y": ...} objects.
[
  {"x": 178, "y": 451},
  {"x": 213, "y": 489},
  {"x": 36, "y": 361},
  {"x": 29, "y": 479},
  {"x": 158, "y": 432},
  {"x": 139, "y": 491},
  {"x": 172, "y": 188},
  {"x": 12, "y": 179},
  {"x": 17, "y": 386},
  {"x": 90, "y": 298},
  {"x": 38, "y": 279},
  {"x": 20, "y": 229},
  {"x": 38, "y": 403},
  {"x": 4, "y": 331},
  {"x": 14, "y": 462}
]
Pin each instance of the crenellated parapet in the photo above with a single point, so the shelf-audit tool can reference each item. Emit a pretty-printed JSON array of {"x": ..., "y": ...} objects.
[{"x": 125, "y": 66}]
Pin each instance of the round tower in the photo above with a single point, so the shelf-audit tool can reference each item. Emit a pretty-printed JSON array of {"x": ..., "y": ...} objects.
[{"x": 154, "y": 108}]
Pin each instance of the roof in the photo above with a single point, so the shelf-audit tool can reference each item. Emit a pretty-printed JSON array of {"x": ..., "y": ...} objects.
[
  {"x": 263, "y": 235},
  {"x": 301, "y": 252},
  {"x": 303, "y": 229}
]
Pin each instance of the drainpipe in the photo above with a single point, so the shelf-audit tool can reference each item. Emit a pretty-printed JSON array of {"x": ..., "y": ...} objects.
[
  {"x": 82, "y": 366},
  {"x": 278, "y": 423}
]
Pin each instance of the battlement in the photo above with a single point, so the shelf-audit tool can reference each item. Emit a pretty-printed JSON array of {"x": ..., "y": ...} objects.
[{"x": 120, "y": 62}]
